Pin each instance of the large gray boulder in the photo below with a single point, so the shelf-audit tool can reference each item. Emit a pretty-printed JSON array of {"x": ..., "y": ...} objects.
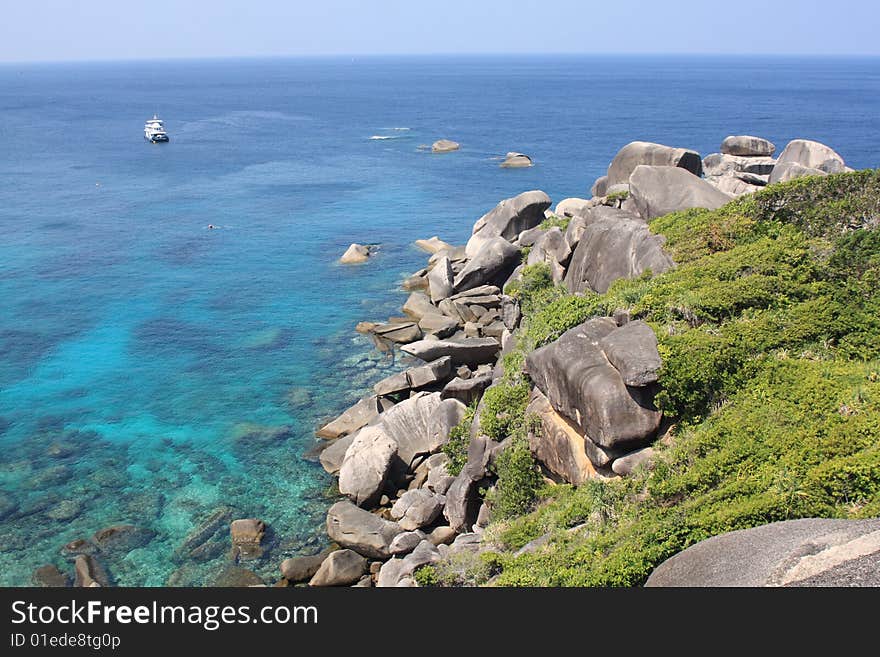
[
  {"x": 748, "y": 146},
  {"x": 786, "y": 171},
  {"x": 721, "y": 164},
  {"x": 340, "y": 568},
  {"x": 812, "y": 155},
  {"x": 558, "y": 444},
  {"x": 440, "y": 280},
  {"x": 508, "y": 219},
  {"x": 444, "y": 146},
  {"x": 418, "y": 305},
  {"x": 361, "y": 531},
  {"x": 578, "y": 379},
  {"x": 627, "y": 464},
  {"x": 572, "y": 207},
  {"x": 415, "y": 377},
  {"x": 642, "y": 152},
  {"x": 552, "y": 249},
  {"x": 462, "y": 501},
  {"x": 632, "y": 349},
  {"x": 490, "y": 265},
  {"x": 657, "y": 191},
  {"x": 616, "y": 246},
  {"x": 462, "y": 351},
  {"x": 418, "y": 426},
  {"x": 332, "y": 457},
  {"x": 807, "y": 552},
  {"x": 359, "y": 415},
  {"x": 417, "y": 508},
  {"x": 366, "y": 464}
]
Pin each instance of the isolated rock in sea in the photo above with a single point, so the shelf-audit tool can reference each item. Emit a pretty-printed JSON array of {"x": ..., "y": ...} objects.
[
  {"x": 614, "y": 244},
  {"x": 365, "y": 466},
  {"x": 508, "y": 219},
  {"x": 491, "y": 265},
  {"x": 359, "y": 415},
  {"x": 440, "y": 280},
  {"x": 247, "y": 535},
  {"x": 361, "y": 531},
  {"x": 812, "y": 155},
  {"x": 331, "y": 458},
  {"x": 748, "y": 146},
  {"x": 578, "y": 379},
  {"x": 49, "y": 576},
  {"x": 464, "y": 351},
  {"x": 632, "y": 350},
  {"x": 444, "y": 146},
  {"x": 340, "y": 568},
  {"x": 558, "y": 444},
  {"x": 417, "y": 508},
  {"x": 433, "y": 245},
  {"x": 516, "y": 160},
  {"x": 786, "y": 171},
  {"x": 659, "y": 190},
  {"x": 806, "y": 552},
  {"x": 355, "y": 254},
  {"x": 641, "y": 152}
]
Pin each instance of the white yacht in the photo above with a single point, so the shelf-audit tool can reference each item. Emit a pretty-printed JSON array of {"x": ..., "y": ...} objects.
[{"x": 154, "y": 130}]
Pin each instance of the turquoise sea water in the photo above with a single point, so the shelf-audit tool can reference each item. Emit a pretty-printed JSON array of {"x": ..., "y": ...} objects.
[{"x": 152, "y": 370}]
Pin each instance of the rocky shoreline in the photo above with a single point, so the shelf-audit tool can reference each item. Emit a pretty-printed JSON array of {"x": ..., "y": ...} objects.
[{"x": 592, "y": 389}]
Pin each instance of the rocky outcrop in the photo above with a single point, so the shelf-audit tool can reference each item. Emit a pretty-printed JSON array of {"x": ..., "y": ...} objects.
[
  {"x": 808, "y": 552},
  {"x": 786, "y": 171},
  {"x": 615, "y": 245},
  {"x": 302, "y": 569},
  {"x": 332, "y": 456},
  {"x": 812, "y": 155},
  {"x": 625, "y": 465},
  {"x": 490, "y": 265},
  {"x": 340, "y": 568},
  {"x": 441, "y": 279},
  {"x": 415, "y": 378},
  {"x": 398, "y": 572},
  {"x": 516, "y": 160},
  {"x": 359, "y": 415},
  {"x": 444, "y": 146},
  {"x": 559, "y": 445},
  {"x": 361, "y": 531},
  {"x": 632, "y": 350},
  {"x": 355, "y": 254},
  {"x": 433, "y": 245},
  {"x": 508, "y": 219},
  {"x": 748, "y": 146},
  {"x": 641, "y": 152},
  {"x": 366, "y": 464},
  {"x": 659, "y": 190},
  {"x": 410, "y": 425},
  {"x": 463, "y": 351},
  {"x": 582, "y": 384}
]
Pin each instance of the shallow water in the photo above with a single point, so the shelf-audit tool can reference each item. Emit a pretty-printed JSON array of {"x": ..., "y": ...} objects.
[{"x": 153, "y": 370}]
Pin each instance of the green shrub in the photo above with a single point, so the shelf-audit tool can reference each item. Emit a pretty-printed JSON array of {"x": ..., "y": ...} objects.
[
  {"x": 555, "y": 221},
  {"x": 456, "y": 448},
  {"x": 426, "y": 576},
  {"x": 504, "y": 408},
  {"x": 518, "y": 482}
]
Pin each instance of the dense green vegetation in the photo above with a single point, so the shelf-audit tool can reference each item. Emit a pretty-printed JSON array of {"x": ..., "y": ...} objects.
[{"x": 769, "y": 329}]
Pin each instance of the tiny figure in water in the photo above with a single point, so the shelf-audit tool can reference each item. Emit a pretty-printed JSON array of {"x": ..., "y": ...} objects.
[{"x": 211, "y": 226}]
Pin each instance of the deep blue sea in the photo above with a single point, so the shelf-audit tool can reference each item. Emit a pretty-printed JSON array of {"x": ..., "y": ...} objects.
[{"x": 153, "y": 370}]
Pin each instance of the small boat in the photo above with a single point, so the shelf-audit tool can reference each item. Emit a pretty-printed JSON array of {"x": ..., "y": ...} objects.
[{"x": 154, "y": 130}]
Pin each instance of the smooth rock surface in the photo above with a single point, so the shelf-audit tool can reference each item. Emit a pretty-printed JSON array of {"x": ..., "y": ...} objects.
[
  {"x": 444, "y": 146},
  {"x": 811, "y": 551},
  {"x": 340, "y": 568},
  {"x": 558, "y": 444},
  {"x": 625, "y": 465},
  {"x": 359, "y": 415},
  {"x": 355, "y": 254},
  {"x": 361, "y": 531},
  {"x": 417, "y": 508},
  {"x": 365, "y": 467},
  {"x": 508, "y": 219},
  {"x": 490, "y": 265},
  {"x": 464, "y": 351},
  {"x": 516, "y": 160},
  {"x": 812, "y": 155},
  {"x": 332, "y": 457},
  {"x": 641, "y": 152},
  {"x": 632, "y": 350},
  {"x": 747, "y": 145},
  {"x": 657, "y": 191},
  {"x": 440, "y": 280}
]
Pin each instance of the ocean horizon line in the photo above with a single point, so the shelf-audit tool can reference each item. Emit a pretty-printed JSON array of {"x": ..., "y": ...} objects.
[{"x": 457, "y": 56}]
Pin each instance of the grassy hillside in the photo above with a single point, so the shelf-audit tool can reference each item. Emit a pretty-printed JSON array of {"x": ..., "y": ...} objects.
[{"x": 769, "y": 329}]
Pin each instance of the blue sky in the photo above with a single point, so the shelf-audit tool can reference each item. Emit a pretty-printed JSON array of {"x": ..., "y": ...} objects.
[{"x": 135, "y": 29}]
